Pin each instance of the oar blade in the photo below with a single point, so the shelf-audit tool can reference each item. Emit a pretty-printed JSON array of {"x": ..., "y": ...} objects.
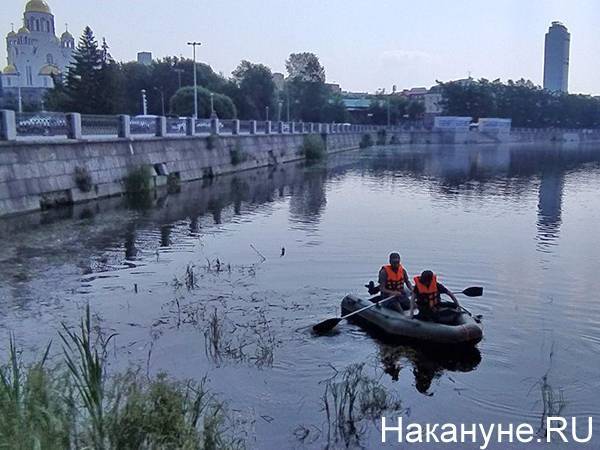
[
  {"x": 326, "y": 325},
  {"x": 475, "y": 291}
]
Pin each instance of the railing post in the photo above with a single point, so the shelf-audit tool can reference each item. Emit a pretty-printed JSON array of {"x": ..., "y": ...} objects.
[
  {"x": 214, "y": 126},
  {"x": 235, "y": 128},
  {"x": 253, "y": 127},
  {"x": 268, "y": 127},
  {"x": 8, "y": 125},
  {"x": 124, "y": 128},
  {"x": 292, "y": 127},
  {"x": 312, "y": 127},
  {"x": 161, "y": 126},
  {"x": 190, "y": 126},
  {"x": 280, "y": 127},
  {"x": 73, "y": 126}
]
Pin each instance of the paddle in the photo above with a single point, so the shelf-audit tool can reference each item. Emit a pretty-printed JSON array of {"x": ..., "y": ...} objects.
[
  {"x": 329, "y": 324},
  {"x": 474, "y": 291}
]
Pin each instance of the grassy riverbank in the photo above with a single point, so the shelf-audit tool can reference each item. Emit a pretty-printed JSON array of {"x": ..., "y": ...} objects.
[{"x": 75, "y": 403}]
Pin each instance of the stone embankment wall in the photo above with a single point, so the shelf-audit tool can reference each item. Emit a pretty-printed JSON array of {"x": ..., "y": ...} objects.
[
  {"x": 41, "y": 174},
  {"x": 37, "y": 175}
]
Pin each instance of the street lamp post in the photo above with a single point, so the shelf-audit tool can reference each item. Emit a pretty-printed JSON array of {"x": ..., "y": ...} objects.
[
  {"x": 267, "y": 113},
  {"x": 162, "y": 98},
  {"x": 179, "y": 72},
  {"x": 194, "y": 44},
  {"x": 20, "y": 98},
  {"x": 212, "y": 104},
  {"x": 279, "y": 104},
  {"x": 144, "y": 103}
]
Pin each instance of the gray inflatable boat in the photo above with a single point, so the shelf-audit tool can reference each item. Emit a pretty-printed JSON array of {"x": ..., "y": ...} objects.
[{"x": 462, "y": 330}]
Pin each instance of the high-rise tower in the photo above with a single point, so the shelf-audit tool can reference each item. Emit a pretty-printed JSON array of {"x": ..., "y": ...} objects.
[{"x": 556, "y": 58}]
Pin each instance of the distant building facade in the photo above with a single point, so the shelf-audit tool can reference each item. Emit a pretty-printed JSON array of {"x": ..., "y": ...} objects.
[
  {"x": 35, "y": 54},
  {"x": 144, "y": 58},
  {"x": 556, "y": 58}
]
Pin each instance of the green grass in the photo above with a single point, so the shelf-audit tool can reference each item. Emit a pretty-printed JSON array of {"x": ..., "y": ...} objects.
[
  {"x": 138, "y": 180},
  {"x": 78, "y": 405},
  {"x": 313, "y": 147},
  {"x": 237, "y": 155},
  {"x": 366, "y": 141},
  {"x": 83, "y": 179}
]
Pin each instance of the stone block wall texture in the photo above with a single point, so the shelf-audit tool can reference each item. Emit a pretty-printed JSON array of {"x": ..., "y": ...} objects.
[{"x": 35, "y": 175}]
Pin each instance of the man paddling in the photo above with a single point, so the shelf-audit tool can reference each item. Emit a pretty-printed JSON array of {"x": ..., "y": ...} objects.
[
  {"x": 392, "y": 278},
  {"x": 427, "y": 292}
]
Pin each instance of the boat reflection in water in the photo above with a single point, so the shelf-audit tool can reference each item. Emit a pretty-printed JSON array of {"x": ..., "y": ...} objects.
[{"x": 428, "y": 362}]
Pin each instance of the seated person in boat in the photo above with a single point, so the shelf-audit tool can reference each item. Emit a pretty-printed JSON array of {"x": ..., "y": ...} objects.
[
  {"x": 392, "y": 278},
  {"x": 427, "y": 292}
]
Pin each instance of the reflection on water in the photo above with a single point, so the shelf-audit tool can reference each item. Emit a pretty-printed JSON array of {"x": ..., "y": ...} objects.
[
  {"x": 549, "y": 207},
  {"x": 477, "y": 215},
  {"x": 428, "y": 363}
]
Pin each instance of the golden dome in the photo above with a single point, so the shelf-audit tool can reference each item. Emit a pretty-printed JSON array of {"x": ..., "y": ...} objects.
[
  {"x": 10, "y": 70},
  {"x": 39, "y": 6},
  {"x": 49, "y": 69},
  {"x": 23, "y": 30},
  {"x": 11, "y": 34},
  {"x": 66, "y": 35}
]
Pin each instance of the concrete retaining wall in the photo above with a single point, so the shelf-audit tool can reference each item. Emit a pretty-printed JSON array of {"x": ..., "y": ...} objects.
[{"x": 37, "y": 175}]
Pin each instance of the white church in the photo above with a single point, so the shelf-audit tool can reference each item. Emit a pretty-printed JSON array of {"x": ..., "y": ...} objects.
[{"x": 35, "y": 53}]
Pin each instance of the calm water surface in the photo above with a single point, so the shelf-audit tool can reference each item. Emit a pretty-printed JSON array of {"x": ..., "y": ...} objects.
[{"x": 520, "y": 221}]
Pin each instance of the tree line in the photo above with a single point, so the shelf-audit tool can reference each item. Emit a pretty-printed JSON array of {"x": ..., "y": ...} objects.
[
  {"x": 96, "y": 84},
  {"x": 522, "y": 101}
]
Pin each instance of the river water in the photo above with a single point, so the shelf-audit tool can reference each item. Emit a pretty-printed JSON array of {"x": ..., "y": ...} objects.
[{"x": 230, "y": 271}]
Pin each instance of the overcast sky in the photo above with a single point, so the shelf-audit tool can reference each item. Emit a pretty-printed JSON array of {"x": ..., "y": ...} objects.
[{"x": 364, "y": 45}]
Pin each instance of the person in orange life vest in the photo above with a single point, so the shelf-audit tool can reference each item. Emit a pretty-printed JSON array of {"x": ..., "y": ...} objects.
[
  {"x": 427, "y": 292},
  {"x": 392, "y": 278}
]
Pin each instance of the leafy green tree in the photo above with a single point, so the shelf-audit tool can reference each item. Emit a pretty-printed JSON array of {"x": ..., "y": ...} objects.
[
  {"x": 135, "y": 77},
  {"x": 163, "y": 77},
  {"x": 525, "y": 103},
  {"x": 305, "y": 67},
  {"x": 335, "y": 110},
  {"x": 400, "y": 109},
  {"x": 306, "y": 94},
  {"x": 256, "y": 90},
  {"x": 182, "y": 103},
  {"x": 110, "y": 82}
]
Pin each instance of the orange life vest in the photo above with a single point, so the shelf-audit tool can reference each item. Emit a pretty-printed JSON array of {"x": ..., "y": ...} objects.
[
  {"x": 394, "y": 280},
  {"x": 428, "y": 294}
]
